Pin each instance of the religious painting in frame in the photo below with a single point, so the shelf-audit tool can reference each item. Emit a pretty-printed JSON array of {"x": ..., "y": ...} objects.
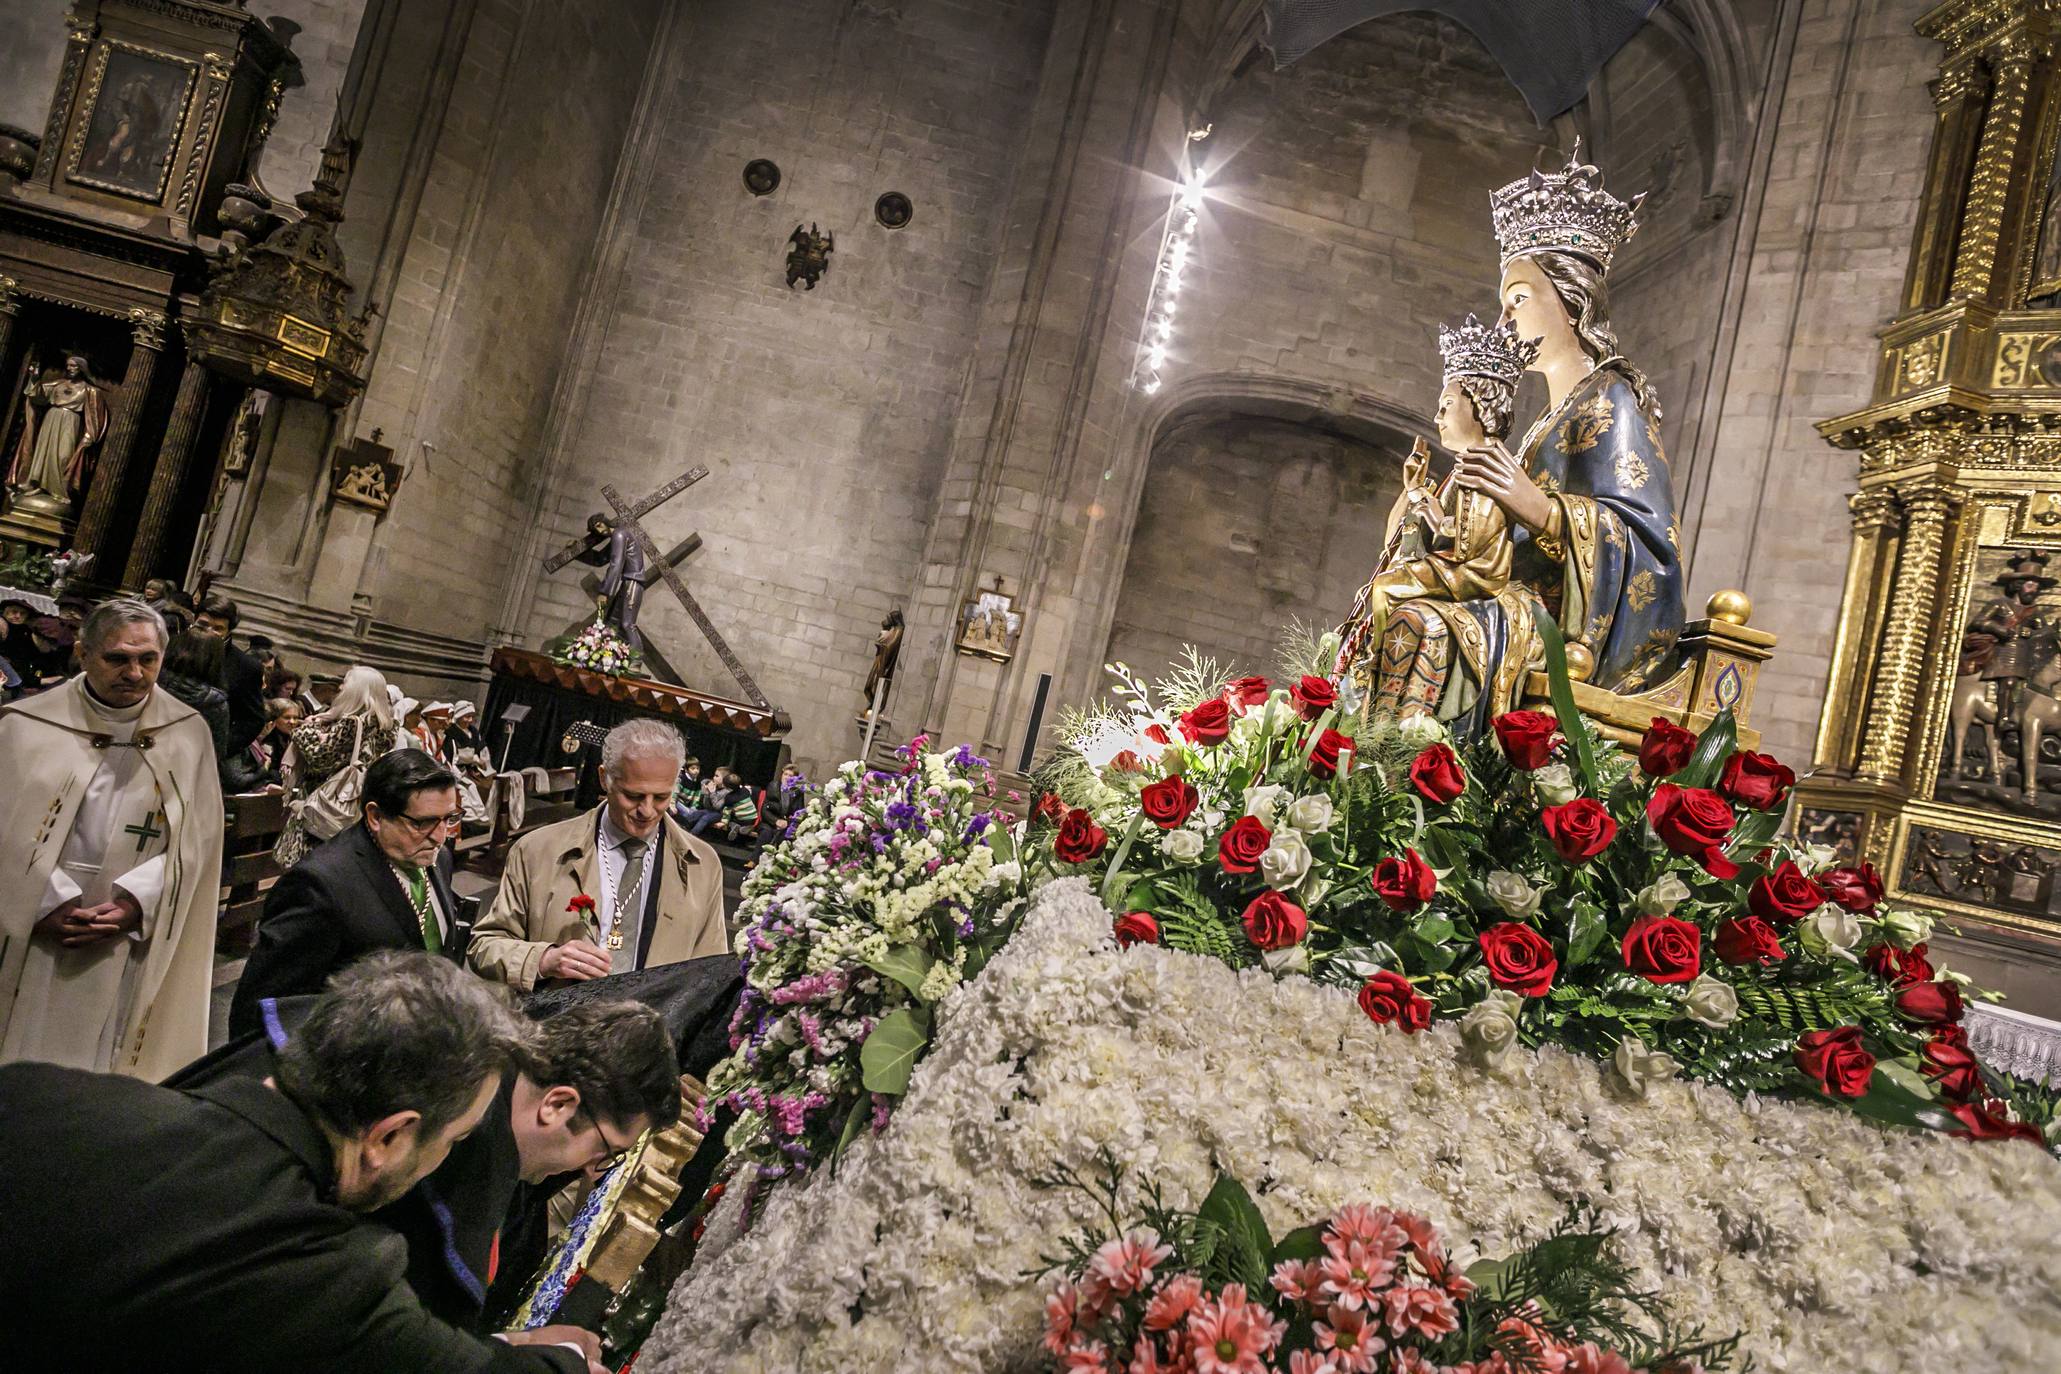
[
  {"x": 989, "y": 624},
  {"x": 136, "y": 108},
  {"x": 2001, "y": 747}
]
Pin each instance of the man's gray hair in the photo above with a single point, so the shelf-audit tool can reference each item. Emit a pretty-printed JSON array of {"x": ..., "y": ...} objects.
[
  {"x": 401, "y": 1031},
  {"x": 110, "y": 615},
  {"x": 642, "y": 736}
]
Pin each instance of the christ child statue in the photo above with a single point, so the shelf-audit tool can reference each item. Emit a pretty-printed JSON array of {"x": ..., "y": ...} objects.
[{"x": 1445, "y": 541}]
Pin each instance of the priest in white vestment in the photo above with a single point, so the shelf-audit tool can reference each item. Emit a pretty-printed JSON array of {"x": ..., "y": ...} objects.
[{"x": 111, "y": 847}]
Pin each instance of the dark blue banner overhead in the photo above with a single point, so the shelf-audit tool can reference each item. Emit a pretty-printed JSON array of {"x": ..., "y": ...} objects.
[{"x": 1550, "y": 49}]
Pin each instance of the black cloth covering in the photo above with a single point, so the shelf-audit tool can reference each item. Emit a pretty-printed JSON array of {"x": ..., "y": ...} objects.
[
  {"x": 172, "y": 1230},
  {"x": 1550, "y": 49}
]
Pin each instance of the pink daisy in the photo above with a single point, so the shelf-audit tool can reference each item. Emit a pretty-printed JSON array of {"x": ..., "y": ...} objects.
[
  {"x": 1358, "y": 1274},
  {"x": 1091, "y": 1358},
  {"x": 1587, "y": 1359},
  {"x": 1170, "y": 1306},
  {"x": 1298, "y": 1280},
  {"x": 1126, "y": 1265},
  {"x": 1310, "y": 1362},
  {"x": 1426, "y": 1311},
  {"x": 1358, "y": 1221},
  {"x": 1351, "y": 1341},
  {"x": 1146, "y": 1359},
  {"x": 1061, "y": 1311},
  {"x": 1231, "y": 1335}
]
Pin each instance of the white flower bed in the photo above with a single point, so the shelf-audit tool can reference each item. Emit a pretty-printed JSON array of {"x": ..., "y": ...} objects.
[{"x": 1833, "y": 1244}]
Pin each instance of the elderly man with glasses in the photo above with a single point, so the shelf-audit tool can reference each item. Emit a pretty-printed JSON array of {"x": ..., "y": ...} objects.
[{"x": 383, "y": 884}]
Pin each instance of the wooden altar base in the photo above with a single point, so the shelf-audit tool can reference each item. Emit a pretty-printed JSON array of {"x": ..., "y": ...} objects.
[{"x": 720, "y": 732}]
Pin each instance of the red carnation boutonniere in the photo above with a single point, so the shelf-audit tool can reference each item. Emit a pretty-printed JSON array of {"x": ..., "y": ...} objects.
[{"x": 581, "y": 905}]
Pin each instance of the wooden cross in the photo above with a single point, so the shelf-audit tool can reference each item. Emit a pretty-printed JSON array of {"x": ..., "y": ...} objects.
[
  {"x": 644, "y": 507},
  {"x": 145, "y": 832}
]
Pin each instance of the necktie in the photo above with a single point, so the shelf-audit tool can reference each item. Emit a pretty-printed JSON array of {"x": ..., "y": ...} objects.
[
  {"x": 629, "y": 887},
  {"x": 425, "y": 915}
]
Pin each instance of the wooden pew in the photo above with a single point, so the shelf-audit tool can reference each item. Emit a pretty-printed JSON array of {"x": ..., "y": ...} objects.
[{"x": 251, "y": 827}]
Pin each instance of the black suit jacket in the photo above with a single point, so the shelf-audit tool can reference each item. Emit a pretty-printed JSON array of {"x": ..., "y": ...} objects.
[
  {"x": 209, "y": 1239},
  {"x": 453, "y": 1220},
  {"x": 243, "y": 679},
  {"x": 341, "y": 902}
]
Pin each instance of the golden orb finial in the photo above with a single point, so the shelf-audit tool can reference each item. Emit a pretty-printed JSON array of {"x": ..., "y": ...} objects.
[
  {"x": 1580, "y": 662},
  {"x": 1730, "y": 605}
]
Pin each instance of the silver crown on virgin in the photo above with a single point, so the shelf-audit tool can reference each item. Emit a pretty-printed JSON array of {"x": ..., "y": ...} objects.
[
  {"x": 1492, "y": 351},
  {"x": 1566, "y": 211}
]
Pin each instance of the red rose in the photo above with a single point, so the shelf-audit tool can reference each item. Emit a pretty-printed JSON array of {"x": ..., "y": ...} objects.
[
  {"x": 1953, "y": 1068},
  {"x": 1127, "y": 762},
  {"x": 1664, "y": 949},
  {"x": 1950, "y": 1035},
  {"x": 1169, "y": 802},
  {"x": 1240, "y": 849},
  {"x": 1313, "y": 696},
  {"x": 1050, "y": 808},
  {"x": 1756, "y": 780},
  {"x": 1835, "y": 1061},
  {"x": 1900, "y": 968},
  {"x": 1930, "y": 1003},
  {"x": 1274, "y": 922},
  {"x": 1748, "y": 940},
  {"x": 1436, "y": 773},
  {"x": 1580, "y": 829},
  {"x": 1135, "y": 926},
  {"x": 1665, "y": 749},
  {"x": 1157, "y": 734},
  {"x": 1784, "y": 895},
  {"x": 1389, "y": 997},
  {"x": 1325, "y": 757},
  {"x": 1406, "y": 883},
  {"x": 1247, "y": 692},
  {"x": 1988, "y": 1122},
  {"x": 1693, "y": 820},
  {"x": 1209, "y": 723},
  {"x": 1079, "y": 838},
  {"x": 1856, "y": 889},
  {"x": 1527, "y": 737},
  {"x": 1518, "y": 958}
]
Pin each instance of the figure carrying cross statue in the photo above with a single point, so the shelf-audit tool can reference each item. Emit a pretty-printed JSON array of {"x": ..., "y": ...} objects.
[{"x": 617, "y": 542}]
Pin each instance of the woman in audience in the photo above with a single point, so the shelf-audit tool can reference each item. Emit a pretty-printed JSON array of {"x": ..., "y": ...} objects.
[
  {"x": 192, "y": 673},
  {"x": 323, "y": 744},
  {"x": 283, "y": 716}
]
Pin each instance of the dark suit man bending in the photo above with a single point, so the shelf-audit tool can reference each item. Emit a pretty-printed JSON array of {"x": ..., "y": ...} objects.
[
  {"x": 383, "y": 884},
  {"x": 595, "y": 1078},
  {"x": 243, "y": 677},
  {"x": 223, "y": 1229}
]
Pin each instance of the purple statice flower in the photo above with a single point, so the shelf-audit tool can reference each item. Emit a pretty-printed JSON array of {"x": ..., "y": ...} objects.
[
  {"x": 900, "y": 815},
  {"x": 812, "y": 1034},
  {"x": 976, "y": 827},
  {"x": 964, "y": 757},
  {"x": 880, "y": 844},
  {"x": 814, "y": 987},
  {"x": 883, "y": 1107}
]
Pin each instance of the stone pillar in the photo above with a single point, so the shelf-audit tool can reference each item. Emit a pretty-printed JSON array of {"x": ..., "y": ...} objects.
[
  {"x": 105, "y": 488},
  {"x": 2004, "y": 134},
  {"x": 174, "y": 457},
  {"x": 1860, "y": 627},
  {"x": 1957, "y": 98},
  {"x": 1913, "y": 597}
]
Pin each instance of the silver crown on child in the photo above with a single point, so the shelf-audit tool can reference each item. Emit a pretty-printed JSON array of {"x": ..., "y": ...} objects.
[
  {"x": 1492, "y": 351},
  {"x": 1567, "y": 211}
]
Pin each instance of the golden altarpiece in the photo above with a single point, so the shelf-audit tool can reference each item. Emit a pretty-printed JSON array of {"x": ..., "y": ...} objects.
[{"x": 1938, "y": 756}]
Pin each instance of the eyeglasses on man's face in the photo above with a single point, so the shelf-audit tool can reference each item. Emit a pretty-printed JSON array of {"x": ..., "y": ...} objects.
[{"x": 616, "y": 1153}]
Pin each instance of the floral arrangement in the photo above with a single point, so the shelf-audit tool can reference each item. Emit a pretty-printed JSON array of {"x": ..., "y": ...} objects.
[
  {"x": 1541, "y": 886},
  {"x": 1369, "y": 1289},
  {"x": 29, "y": 568},
  {"x": 1826, "y": 1241},
  {"x": 598, "y": 648},
  {"x": 889, "y": 890}
]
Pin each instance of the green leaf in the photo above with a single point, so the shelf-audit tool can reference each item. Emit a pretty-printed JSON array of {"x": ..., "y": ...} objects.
[
  {"x": 906, "y": 964},
  {"x": 1231, "y": 1209},
  {"x": 1713, "y": 747},
  {"x": 1558, "y": 685},
  {"x": 889, "y": 1055},
  {"x": 853, "y": 1124},
  {"x": 1303, "y": 1243},
  {"x": 1586, "y": 930},
  {"x": 1111, "y": 879}
]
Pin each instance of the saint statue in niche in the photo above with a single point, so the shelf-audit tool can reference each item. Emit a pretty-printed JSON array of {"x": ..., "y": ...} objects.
[
  {"x": 1587, "y": 497},
  {"x": 55, "y": 454}
]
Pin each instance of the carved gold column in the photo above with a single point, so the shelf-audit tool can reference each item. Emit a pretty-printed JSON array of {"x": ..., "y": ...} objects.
[
  {"x": 147, "y": 331},
  {"x": 1860, "y": 628},
  {"x": 1913, "y": 599},
  {"x": 174, "y": 457},
  {"x": 10, "y": 311},
  {"x": 1957, "y": 126},
  {"x": 83, "y": 31},
  {"x": 1982, "y": 258}
]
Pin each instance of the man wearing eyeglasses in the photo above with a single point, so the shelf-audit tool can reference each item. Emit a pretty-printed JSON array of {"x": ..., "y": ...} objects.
[{"x": 383, "y": 884}]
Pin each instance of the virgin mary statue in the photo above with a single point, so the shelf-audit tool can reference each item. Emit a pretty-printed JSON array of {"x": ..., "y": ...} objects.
[{"x": 1588, "y": 496}]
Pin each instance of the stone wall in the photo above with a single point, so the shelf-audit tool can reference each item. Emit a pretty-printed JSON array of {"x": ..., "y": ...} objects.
[
  {"x": 822, "y": 415},
  {"x": 1248, "y": 523}
]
